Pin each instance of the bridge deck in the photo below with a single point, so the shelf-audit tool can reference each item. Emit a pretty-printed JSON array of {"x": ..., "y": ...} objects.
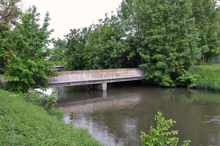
[{"x": 85, "y": 77}]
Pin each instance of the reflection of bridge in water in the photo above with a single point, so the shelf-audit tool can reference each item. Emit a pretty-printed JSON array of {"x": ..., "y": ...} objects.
[
  {"x": 99, "y": 104},
  {"x": 91, "y": 77}
]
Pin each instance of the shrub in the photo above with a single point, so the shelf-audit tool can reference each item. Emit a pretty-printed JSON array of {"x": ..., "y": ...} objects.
[
  {"x": 161, "y": 134},
  {"x": 207, "y": 76},
  {"x": 187, "y": 79},
  {"x": 23, "y": 74}
]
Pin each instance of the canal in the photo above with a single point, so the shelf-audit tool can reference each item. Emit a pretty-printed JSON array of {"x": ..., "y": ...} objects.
[{"x": 117, "y": 119}]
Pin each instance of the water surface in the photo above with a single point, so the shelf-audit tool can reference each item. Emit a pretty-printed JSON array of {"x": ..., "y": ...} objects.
[{"x": 116, "y": 119}]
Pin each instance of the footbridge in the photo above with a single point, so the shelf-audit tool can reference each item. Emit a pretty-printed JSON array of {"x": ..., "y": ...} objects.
[{"x": 90, "y": 77}]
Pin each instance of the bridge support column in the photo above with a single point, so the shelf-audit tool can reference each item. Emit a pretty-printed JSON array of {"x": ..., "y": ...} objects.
[
  {"x": 104, "y": 89},
  {"x": 104, "y": 86}
]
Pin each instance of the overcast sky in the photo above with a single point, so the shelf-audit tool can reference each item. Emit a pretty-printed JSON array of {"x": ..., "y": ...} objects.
[{"x": 68, "y": 14}]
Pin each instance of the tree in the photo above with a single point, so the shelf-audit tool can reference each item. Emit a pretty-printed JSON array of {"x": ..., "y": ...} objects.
[
  {"x": 27, "y": 66},
  {"x": 30, "y": 38},
  {"x": 57, "y": 53},
  {"x": 9, "y": 13},
  {"x": 166, "y": 36},
  {"x": 207, "y": 19},
  {"x": 106, "y": 46},
  {"x": 97, "y": 47},
  {"x": 75, "y": 48},
  {"x": 163, "y": 37}
]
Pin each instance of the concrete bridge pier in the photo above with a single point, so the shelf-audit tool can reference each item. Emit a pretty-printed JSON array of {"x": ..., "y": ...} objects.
[
  {"x": 104, "y": 86},
  {"x": 104, "y": 89}
]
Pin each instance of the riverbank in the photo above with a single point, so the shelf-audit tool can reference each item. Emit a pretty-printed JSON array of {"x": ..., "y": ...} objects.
[
  {"x": 22, "y": 123},
  {"x": 207, "y": 76}
]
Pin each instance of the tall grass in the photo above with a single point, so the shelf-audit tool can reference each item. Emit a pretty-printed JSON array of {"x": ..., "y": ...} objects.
[
  {"x": 208, "y": 76},
  {"x": 25, "y": 124}
]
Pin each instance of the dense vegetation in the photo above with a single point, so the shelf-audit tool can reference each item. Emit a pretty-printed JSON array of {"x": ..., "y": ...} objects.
[
  {"x": 207, "y": 76},
  {"x": 162, "y": 134},
  {"x": 164, "y": 37},
  {"x": 23, "y": 47},
  {"x": 57, "y": 54},
  {"x": 99, "y": 46},
  {"x": 25, "y": 124}
]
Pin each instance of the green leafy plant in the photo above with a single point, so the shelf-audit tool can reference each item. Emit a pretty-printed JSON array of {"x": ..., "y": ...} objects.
[
  {"x": 162, "y": 134},
  {"x": 25, "y": 74},
  {"x": 25, "y": 53},
  {"x": 187, "y": 79},
  {"x": 207, "y": 76}
]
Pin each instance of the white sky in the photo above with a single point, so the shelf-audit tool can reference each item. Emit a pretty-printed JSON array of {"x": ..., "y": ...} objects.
[{"x": 69, "y": 14}]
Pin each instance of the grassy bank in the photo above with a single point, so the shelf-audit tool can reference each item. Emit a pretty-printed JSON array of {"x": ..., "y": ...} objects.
[
  {"x": 208, "y": 76},
  {"x": 25, "y": 124}
]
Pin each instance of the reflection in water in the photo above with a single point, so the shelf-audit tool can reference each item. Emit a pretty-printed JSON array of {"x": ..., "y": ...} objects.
[
  {"x": 118, "y": 119},
  {"x": 97, "y": 104}
]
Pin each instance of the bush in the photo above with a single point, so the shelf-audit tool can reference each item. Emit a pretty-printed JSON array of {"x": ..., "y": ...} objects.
[
  {"x": 25, "y": 124},
  {"x": 187, "y": 79},
  {"x": 24, "y": 74},
  {"x": 207, "y": 76},
  {"x": 162, "y": 135}
]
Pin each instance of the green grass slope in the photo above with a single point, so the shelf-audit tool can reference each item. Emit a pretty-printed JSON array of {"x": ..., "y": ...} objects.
[
  {"x": 24, "y": 124},
  {"x": 208, "y": 76}
]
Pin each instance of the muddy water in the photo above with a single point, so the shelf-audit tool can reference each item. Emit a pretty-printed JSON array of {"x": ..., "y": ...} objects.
[{"x": 116, "y": 119}]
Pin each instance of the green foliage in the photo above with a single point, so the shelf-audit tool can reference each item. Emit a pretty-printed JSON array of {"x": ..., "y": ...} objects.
[
  {"x": 207, "y": 18},
  {"x": 25, "y": 52},
  {"x": 105, "y": 46},
  {"x": 187, "y": 79},
  {"x": 9, "y": 13},
  {"x": 207, "y": 76},
  {"x": 57, "y": 53},
  {"x": 97, "y": 47},
  {"x": 167, "y": 37},
  {"x": 30, "y": 39},
  {"x": 75, "y": 48},
  {"x": 24, "y": 124},
  {"x": 163, "y": 37},
  {"x": 25, "y": 74},
  {"x": 161, "y": 134}
]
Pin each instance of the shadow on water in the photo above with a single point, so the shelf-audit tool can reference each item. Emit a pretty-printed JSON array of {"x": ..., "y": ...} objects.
[{"x": 118, "y": 119}]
